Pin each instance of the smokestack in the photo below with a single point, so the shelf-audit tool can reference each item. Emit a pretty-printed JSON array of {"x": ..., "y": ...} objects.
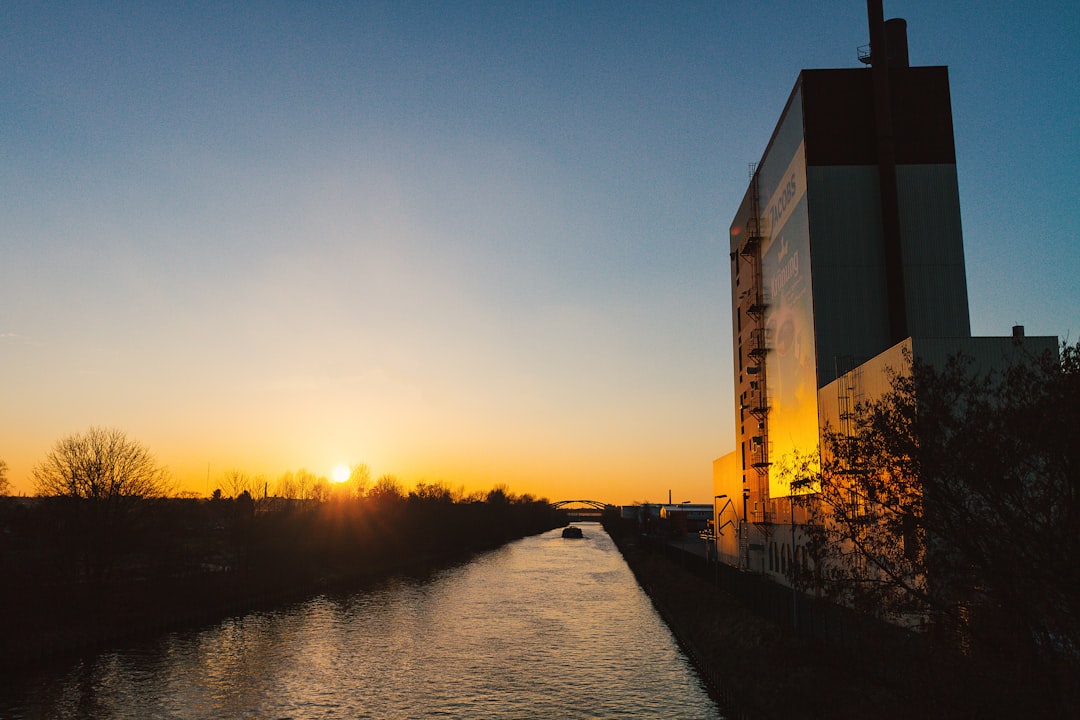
[
  {"x": 886, "y": 162},
  {"x": 888, "y": 39},
  {"x": 1018, "y": 331},
  {"x": 896, "y": 42}
]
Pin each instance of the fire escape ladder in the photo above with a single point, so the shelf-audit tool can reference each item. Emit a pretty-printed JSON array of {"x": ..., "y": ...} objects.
[
  {"x": 755, "y": 308},
  {"x": 849, "y": 395}
]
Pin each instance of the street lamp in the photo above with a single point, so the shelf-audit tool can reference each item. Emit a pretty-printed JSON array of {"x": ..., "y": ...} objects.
[{"x": 717, "y": 526}]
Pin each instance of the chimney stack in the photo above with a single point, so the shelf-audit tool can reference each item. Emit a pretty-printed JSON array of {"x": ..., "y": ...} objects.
[{"x": 896, "y": 42}]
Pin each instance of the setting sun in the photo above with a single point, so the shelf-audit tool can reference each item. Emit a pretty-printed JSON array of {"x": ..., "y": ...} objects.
[{"x": 340, "y": 474}]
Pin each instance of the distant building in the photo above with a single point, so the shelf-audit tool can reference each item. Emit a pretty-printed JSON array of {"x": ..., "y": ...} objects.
[
  {"x": 641, "y": 512},
  {"x": 686, "y": 517},
  {"x": 847, "y": 248}
]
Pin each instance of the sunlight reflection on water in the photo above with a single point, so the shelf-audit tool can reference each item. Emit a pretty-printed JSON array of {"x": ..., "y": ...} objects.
[{"x": 544, "y": 627}]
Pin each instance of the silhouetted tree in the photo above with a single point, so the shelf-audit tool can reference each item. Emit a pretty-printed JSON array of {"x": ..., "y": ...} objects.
[
  {"x": 298, "y": 485},
  {"x": 386, "y": 489},
  {"x": 287, "y": 487},
  {"x": 5, "y": 484},
  {"x": 320, "y": 489},
  {"x": 436, "y": 492},
  {"x": 956, "y": 496},
  {"x": 237, "y": 482},
  {"x": 101, "y": 464},
  {"x": 305, "y": 482},
  {"x": 244, "y": 506},
  {"x": 498, "y": 495},
  {"x": 101, "y": 479},
  {"x": 359, "y": 478}
]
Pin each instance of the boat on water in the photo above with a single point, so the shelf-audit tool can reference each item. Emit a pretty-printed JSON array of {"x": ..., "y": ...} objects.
[{"x": 572, "y": 532}]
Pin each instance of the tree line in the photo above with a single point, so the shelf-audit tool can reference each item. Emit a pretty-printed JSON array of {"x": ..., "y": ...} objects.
[{"x": 107, "y": 540}]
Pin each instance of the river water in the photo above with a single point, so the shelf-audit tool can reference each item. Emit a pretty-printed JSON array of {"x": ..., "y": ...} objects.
[{"x": 541, "y": 628}]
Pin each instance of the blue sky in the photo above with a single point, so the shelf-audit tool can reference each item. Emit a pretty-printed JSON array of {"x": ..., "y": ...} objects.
[{"x": 473, "y": 242}]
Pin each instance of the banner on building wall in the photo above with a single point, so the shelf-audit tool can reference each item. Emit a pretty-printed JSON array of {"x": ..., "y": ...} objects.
[{"x": 790, "y": 365}]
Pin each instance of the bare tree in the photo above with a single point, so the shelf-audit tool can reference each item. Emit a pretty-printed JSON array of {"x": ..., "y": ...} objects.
[
  {"x": 101, "y": 479},
  {"x": 101, "y": 464},
  {"x": 437, "y": 491},
  {"x": 499, "y": 495},
  {"x": 5, "y": 484},
  {"x": 386, "y": 489},
  {"x": 299, "y": 485},
  {"x": 320, "y": 489},
  {"x": 359, "y": 478},
  {"x": 286, "y": 486},
  {"x": 237, "y": 483},
  {"x": 305, "y": 483}
]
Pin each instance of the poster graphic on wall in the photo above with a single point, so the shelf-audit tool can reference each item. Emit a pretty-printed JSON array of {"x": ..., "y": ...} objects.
[{"x": 790, "y": 367}]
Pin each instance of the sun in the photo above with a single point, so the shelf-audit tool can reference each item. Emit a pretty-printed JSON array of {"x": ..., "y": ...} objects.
[{"x": 341, "y": 474}]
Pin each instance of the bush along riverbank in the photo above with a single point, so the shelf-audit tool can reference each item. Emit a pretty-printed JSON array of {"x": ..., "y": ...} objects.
[
  {"x": 759, "y": 669},
  {"x": 65, "y": 591}
]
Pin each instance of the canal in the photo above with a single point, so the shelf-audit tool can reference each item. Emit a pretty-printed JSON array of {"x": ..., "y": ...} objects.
[{"x": 543, "y": 627}]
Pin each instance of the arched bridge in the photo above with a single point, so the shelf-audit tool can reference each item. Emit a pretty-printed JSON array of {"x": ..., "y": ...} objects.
[{"x": 582, "y": 509}]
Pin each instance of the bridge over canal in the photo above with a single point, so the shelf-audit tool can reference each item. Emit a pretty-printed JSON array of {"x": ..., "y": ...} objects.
[{"x": 582, "y": 510}]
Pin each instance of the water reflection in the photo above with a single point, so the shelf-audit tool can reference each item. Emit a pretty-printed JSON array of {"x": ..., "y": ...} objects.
[{"x": 544, "y": 627}]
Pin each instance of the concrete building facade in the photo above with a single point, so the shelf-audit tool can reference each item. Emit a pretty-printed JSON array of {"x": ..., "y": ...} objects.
[{"x": 847, "y": 247}]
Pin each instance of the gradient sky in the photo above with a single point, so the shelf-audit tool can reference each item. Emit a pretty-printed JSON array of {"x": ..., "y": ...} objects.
[{"x": 472, "y": 242}]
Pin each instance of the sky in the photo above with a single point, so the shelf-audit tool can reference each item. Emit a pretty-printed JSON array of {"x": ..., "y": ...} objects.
[{"x": 478, "y": 243}]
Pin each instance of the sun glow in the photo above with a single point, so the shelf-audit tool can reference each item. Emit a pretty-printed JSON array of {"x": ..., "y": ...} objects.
[{"x": 341, "y": 474}]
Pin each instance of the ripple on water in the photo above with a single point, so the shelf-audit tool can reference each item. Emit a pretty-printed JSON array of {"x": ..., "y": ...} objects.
[{"x": 543, "y": 627}]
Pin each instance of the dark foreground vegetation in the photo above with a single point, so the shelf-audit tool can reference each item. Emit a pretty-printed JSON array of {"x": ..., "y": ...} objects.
[
  {"x": 954, "y": 497},
  {"x": 74, "y": 578},
  {"x": 757, "y": 667}
]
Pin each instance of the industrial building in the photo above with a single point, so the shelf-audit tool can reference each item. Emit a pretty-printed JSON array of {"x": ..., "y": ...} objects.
[{"x": 846, "y": 250}]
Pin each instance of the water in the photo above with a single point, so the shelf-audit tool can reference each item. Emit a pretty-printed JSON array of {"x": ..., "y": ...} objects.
[{"x": 543, "y": 627}]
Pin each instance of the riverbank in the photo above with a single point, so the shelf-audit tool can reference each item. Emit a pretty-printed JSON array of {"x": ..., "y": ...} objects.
[
  {"x": 758, "y": 670},
  {"x": 84, "y": 619},
  {"x": 290, "y": 556},
  {"x": 753, "y": 668},
  {"x": 540, "y": 628}
]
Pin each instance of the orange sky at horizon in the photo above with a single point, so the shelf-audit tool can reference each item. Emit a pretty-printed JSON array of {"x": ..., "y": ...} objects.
[
  {"x": 637, "y": 480},
  {"x": 412, "y": 424}
]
